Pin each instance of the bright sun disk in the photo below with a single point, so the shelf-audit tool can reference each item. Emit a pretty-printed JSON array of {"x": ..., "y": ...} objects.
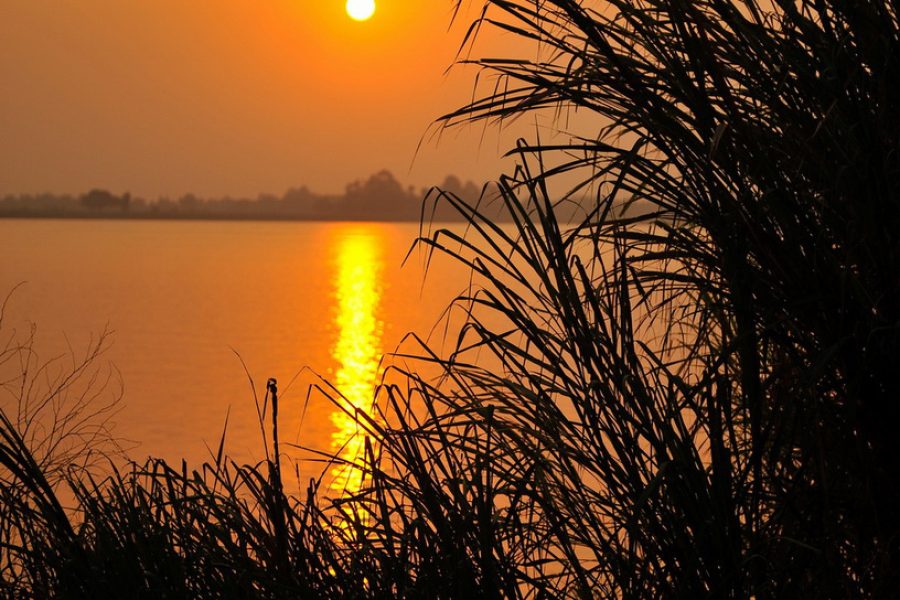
[{"x": 360, "y": 10}]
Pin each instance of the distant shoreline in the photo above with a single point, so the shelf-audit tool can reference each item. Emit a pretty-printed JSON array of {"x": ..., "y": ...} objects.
[
  {"x": 207, "y": 217},
  {"x": 380, "y": 198}
]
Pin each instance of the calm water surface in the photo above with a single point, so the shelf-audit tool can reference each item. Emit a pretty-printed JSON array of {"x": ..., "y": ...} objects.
[{"x": 185, "y": 298}]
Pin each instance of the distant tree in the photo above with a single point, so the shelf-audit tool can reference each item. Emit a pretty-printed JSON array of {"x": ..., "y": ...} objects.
[
  {"x": 381, "y": 196},
  {"x": 268, "y": 204},
  {"x": 189, "y": 203},
  {"x": 468, "y": 191},
  {"x": 98, "y": 199},
  {"x": 452, "y": 184},
  {"x": 163, "y": 205},
  {"x": 300, "y": 201}
]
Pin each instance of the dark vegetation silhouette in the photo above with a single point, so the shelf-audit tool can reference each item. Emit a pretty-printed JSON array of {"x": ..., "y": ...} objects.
[
  {"x": 696, "y": 401},
  {"x": 380, "y": 197},
  {"x": 103, "y": 200}
]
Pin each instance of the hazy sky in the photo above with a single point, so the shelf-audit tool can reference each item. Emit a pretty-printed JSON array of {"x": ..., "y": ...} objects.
[{"x": 216, "y": 97}]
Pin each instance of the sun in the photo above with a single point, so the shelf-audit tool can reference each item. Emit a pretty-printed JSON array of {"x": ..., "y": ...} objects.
[{"x": 360, "y": 10}]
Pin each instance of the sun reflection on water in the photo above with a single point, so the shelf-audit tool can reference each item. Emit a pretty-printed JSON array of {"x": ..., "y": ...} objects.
[{"x": 358, "y": 347}]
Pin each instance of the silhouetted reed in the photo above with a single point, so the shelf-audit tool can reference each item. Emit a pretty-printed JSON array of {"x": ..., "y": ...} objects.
[
  {"x": 689, "y": 391},
  {"x": 759, "y": 139}
]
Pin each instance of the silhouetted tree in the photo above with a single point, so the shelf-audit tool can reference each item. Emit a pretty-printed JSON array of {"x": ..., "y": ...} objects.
[
  {"x": 98, "y": 199},
  {"x": 380, "y": 196}
]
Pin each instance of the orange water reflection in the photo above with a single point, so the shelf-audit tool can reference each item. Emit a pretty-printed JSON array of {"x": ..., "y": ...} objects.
[{"x": 358, "y": 347}]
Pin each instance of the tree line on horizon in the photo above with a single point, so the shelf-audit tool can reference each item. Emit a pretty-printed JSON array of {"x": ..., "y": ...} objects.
[{"x": 380, "y": 197}]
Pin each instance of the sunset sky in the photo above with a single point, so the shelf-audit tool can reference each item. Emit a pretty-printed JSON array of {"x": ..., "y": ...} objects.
[{"x": 231, "y": 97}]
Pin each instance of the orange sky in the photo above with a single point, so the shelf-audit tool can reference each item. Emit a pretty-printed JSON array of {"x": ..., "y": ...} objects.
[{"x": 215, "y": 97}]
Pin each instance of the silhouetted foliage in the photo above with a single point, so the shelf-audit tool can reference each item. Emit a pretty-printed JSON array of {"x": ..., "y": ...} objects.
[
  {"x": 104, "y": 200},
  {"x": 378, "y": 198},
  {"x": 696, "y": 399},
  {"x": 761, "y": 403}
]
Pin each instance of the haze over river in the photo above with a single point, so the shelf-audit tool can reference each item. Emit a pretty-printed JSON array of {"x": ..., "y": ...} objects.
[{"x": 182, "y": 298}]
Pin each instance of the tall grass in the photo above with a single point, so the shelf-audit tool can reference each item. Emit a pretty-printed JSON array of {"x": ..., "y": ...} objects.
[
  {"x": 761, "y": 139},
  {"x": 693, "y": 399}
]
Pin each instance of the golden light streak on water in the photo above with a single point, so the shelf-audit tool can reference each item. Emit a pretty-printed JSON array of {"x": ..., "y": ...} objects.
[{"x": 358, "y": 348}]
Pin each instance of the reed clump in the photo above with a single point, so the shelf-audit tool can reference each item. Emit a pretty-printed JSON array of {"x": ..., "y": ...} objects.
[{"x": 687, "y": 391}]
